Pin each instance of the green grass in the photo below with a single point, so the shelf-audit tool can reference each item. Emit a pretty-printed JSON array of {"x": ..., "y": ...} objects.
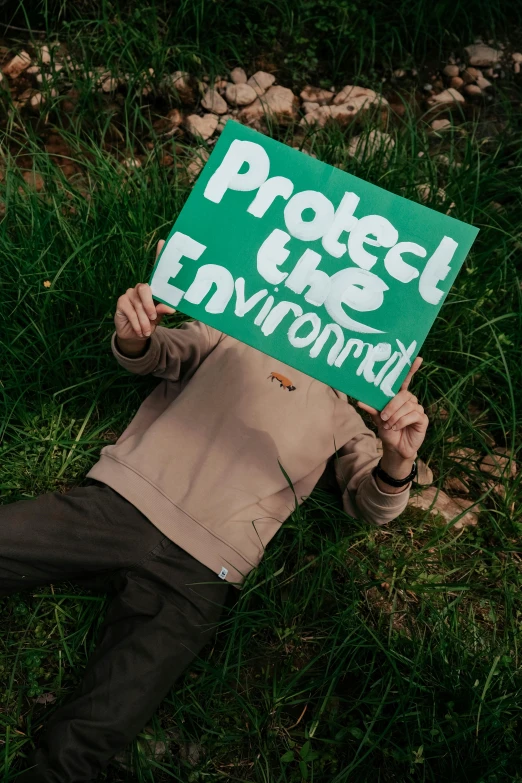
[
  {"x": 352, "y": 654},
  {"x": 305, "y": 39}
]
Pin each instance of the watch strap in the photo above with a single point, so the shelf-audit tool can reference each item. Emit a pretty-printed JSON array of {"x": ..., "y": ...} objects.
[{"x": 393, "y": 482}]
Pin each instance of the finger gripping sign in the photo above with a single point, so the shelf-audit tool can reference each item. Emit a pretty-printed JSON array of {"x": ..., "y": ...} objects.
[{"x": 321, "y": 270}]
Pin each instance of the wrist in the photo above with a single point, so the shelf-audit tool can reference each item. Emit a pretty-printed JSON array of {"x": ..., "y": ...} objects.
[
  {"x": 396, "y": 465},
  {"x": 132, "y": 348}
]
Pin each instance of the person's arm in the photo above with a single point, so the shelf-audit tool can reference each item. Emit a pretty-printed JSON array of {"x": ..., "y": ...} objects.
[
  {"x": 131, "y": 349},
  {"x": 141, "y": 346},
  {"x": 170, "y": 354},
  {"x": 363, "y": 498},
  {"x": 401, "y": 426}
]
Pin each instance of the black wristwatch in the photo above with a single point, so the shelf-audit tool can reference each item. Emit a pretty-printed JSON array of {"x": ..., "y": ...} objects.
[{"x": 393, "y": 482}]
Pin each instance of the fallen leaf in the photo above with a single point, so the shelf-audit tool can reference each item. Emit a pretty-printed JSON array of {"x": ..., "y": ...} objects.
[{"x": 45, "y": 698}]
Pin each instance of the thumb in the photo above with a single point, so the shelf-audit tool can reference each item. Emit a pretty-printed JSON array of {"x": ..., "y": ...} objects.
[
  {"x": 413, "y": 369},
  {"x": 161, "y": 310},
  {"x": 374, "y": 413},
  {"x": 159, "y": 247}
]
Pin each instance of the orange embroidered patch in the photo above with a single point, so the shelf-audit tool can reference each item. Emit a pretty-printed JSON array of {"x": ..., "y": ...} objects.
[{"x": 284, "y": 382}]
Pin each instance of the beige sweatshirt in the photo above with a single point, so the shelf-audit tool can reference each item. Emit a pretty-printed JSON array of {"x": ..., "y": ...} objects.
[{"x": 205, "y": 457}]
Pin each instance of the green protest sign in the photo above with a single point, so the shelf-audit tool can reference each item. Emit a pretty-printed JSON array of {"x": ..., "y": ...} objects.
[{"x": 313, "y": 266}]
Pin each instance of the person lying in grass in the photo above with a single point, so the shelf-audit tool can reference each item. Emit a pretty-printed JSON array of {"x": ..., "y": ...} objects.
[{"x": 182, "y": 506}]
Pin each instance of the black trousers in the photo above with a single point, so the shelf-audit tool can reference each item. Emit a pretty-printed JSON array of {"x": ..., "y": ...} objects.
[{"x": 163, "y": 608}]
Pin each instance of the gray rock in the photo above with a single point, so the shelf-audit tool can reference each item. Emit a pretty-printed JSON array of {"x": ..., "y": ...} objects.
[
  {"x": 309, "y": 106},
  {"x": 44, "y": 54},
  {"x": 223, "y": 121},
  {"x": 456, "y": 486},
  {"x": 471, "y": 75},
  {"x": 451, "y": 70},
  {"x": 437, "y": 502},
  {"x": 316, "y": 95},
  {"x": 17, "y": 65},
  {"x": 183, "y": 85},
  {"x": 197, "y": 161},
  {"x": 261, "y": 81},
  {"x": 368, "y": 145},
  {"x": 446, "y": 97},
  {"x": 440, "y": 125},
  {"x": 240, "y": 94},
  {"x": 480, "y": 54},
  {"x": 202, "y": 127},
  {"x": 238, "y": 76},
  {"x": 424, "y": 475},
  {"x": 212, "y": 101},
  {"x": 456, "y": 82},
  {"x": 278, "y": 102},
  {"x": 351, "y": 92},
  {"x": 483, "y": 83},
  {"x": 499, "y": 463}
]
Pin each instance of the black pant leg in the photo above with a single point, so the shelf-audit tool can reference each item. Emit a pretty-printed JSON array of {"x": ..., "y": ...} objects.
[
  {"x": 75, "y": 535},
  {"x": 156, "y": 624}
]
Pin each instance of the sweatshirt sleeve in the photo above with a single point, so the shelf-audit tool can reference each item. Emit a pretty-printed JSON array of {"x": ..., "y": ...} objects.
[
  {"x": 172, "y": 354},
  {"x": 362, "y": 497}
]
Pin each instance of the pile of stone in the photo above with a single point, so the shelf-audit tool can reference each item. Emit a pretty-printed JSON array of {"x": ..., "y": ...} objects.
[
  {"x": 204, "y": 106},
  {"x": 257, "y": 101},
  {"x": 51, "y": 72},
  {"x": 43, "y": 70},
  {"x": 471, "y": 78}
]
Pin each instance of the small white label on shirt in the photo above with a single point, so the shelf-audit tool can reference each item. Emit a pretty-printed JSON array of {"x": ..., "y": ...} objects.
[{"x": 224, "y": 571}]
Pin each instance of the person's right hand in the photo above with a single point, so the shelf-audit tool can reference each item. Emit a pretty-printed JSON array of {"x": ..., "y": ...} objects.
[{"x": 136, "y": 315}]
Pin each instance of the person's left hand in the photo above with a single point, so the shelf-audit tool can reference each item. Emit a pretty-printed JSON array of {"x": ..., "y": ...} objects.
[{"x": 402, "y": 423}]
